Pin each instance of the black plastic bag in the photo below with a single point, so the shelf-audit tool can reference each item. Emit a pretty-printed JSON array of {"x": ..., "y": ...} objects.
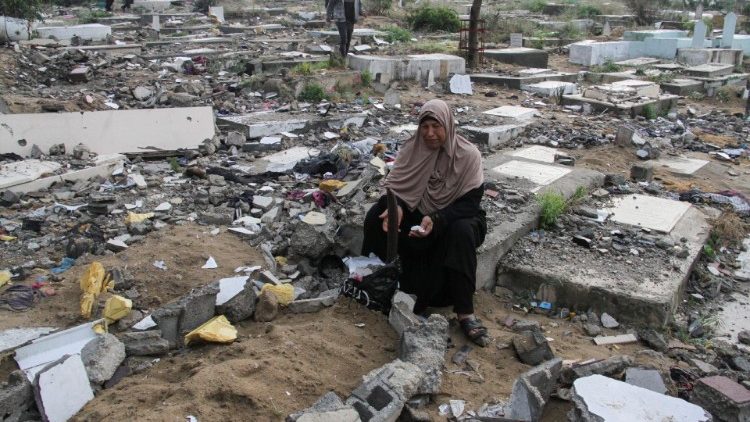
[{"x": 376, "y": 290}]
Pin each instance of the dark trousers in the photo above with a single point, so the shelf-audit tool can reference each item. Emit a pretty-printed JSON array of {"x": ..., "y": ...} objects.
[
  {"x": 108, "y": 5},
  {"x": 346, "y": 29},
  {"x": 439, "y": 269}
]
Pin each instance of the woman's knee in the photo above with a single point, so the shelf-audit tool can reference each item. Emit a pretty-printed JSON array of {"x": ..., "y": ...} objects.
[{"x": 462, "y": 230}]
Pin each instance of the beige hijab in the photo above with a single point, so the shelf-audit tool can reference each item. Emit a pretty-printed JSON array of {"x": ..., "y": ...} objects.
[{"x": 430, "y": 180}]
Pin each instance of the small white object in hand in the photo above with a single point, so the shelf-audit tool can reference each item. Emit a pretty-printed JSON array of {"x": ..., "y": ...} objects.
[{"x": 417, "y": 229}]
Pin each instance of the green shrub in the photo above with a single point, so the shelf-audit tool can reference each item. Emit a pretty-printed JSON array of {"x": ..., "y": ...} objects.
[
  {"x": 365, "y": 78},
  {"x": 696, "y": 96},
  {"x": 307, "y": 68},
  {"x": 553, "y": 206},
  {"x": 378, "y": 7},
  {"x": 434, "y": 18},
  {"x": 587, "y": 11},
  {"x": 662, "y": 78},
  {"x": 535, "y": 6},
  {"x": 23, "y": 9},
  {"x": 607, "y": 67},
  {"x": 570, "y": 31},
  {"x": 92, "y": 16},
  {"x": 312, "y": 92},
  {"x": 397, "y": 34}
]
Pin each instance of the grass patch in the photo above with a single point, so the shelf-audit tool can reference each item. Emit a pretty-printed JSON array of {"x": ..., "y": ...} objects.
[
  {"x": 308, "y": 68},
  {"x": 365, "y": 78},
  {"x": 587, "y": 11},
  {"x": 553, "y": 206},
  {"x": 662, "y": 78},
  {"x": 92, "y": 15},
  {"x": 696, "y": 96},
  {"x": 607, "y": 67},
  {"x": 378, "y": 7},
  {"x": 312, "y": 92},
  {"x": 535, "y": 6},
  {"x": 434, "y": 18},
  {"x": 397, "y": 34},
  {"x": 649, "y": 112}
]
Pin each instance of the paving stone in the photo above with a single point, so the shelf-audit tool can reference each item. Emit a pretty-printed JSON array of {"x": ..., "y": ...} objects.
[
  {"x": 646, "y": 378},
  {"x": 102, "y": 356},
  {"x": 532, "y": 348},
  {"x": 724, "y": 398}
]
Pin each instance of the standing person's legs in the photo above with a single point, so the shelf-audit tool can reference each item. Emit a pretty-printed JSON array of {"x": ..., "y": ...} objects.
[
  {"x": 343, "y": 34},
  {"x": 349, "y": 32},
  {"x": 108, "y": 5}
]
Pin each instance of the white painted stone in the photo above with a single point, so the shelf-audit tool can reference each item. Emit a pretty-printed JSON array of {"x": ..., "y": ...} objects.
[
  {"x": 699, "y": 35},
  {"x": 648, "y": 211},
  {"x": 15, "y": 337},
  {"x": 727, "y": 34},
  {"x": 93, "y": 31},
  {"x": 229, "y": 288},
  {"x": 461, "y": 84},
  {"x": 283, "y": 161},
  {"x": 551, "y": 88},
  {"x": 262, "y": 202},
  {"x": 537, "y": 153},
  {"x": 62, "y": 390},
  {"x": 539, "y": 174},
  {"x": 533, "y": 71},
  {"x": 682, "y": 165},
  {"x": 156, "y": 23},
  {"x": 513, "y": 112},
  {"x": 609, "y": 400},
  {"x": 109, "y": 132}
]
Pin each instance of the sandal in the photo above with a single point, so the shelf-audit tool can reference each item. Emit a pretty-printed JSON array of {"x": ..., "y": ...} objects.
[{"x": 475, "y": 331}]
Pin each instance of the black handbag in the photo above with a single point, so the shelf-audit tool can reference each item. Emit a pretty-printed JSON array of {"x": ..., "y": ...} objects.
[{"x": 376, "y": 290}]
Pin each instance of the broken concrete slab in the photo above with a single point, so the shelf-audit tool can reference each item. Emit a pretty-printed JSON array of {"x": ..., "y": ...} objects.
[
  {"x": 551, "y": 88},
  {"x": 62, "y": 388},
  {"x": 145, "y": 343},
  {"x": 92, "y": 31},
  {"x": 494, "y": 136},
  {"x": 649, "y": 379},
  {"x": 610, "y": 367},
  {"x": 710, "y": 70},
  {"x": 236, "y": 298},
  {"x": 101, "y": 357},
  {"x": 385, "y": 390},
  {"x": 424, "y": 345},
  {"x": 123, "y": 130},
  {"x": 539, "y": 174},
  {"x": 532, "y": 348},
  {"x": 632, "y": 106},
  {"x": 317, "y": 304},
  {"x": 44, "y": 350},
  {"x": 19, "y": 172},
  {"x": 524, "y": 77},
  {"x": 519, "y": 56},
  {"x": 532, "y": 389},
  {"x": 102, "y": 167},
  {"x": 14, "y": 337},
  {"x": 16, "y": 397},
  {"x": 411, "y": 67},
  {"x": 513, "y": 112},
  {"x": 681, "y": 165},
  {"x": 605, "y": 399},
  {"x": 699, "y": 56},
  {"x": 651, "y": 212},
  {"x": 723, "y": 397},
  {"x": 537, "y": 153},
  {"x": 258, "y": 125}
]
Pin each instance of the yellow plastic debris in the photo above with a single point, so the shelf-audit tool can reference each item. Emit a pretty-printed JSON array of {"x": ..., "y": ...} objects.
[
  {"x": 283, "y": 292},
  {"x": 99, "y": 328},
  {"x": 216, "y": 330},
  {"x": 94, "y": 281},
  {"x": 134, "y": 218},
  {"x": 6, "y": 238},
  {"x": 117, "y": 308},
  {"x": 281, "y": 260},
  {"x": 5, "y": 277},
  {"x": 331, "y": 185}
]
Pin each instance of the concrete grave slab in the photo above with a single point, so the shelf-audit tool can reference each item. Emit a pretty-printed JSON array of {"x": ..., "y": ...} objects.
[
  {"x": 537, "y": 153},
  {"x": 494, "y": 135},
  {"x": 102, "y": 167},
  {"x": 62, "y": 389},
  {"x": 648, "y": 211},
  {"x": 33, "y": 357},
  {"x": 551, "y": 88},
  {"x": 682, "y": 165},
  {"x": 699, "y": 56},
  {"x": 513, "y": 112},
  {"x": 18, "y": 172},
  {"x": 93, "y": 31},
  {"x": 153, "y": 5},
  {"x": 520, "y": 56},
  {"x": 109, "y": 132},
  {"x": 410, "y": 67},
  {"x": 524, "y": 77},
  {"x": 710, "y": 70},
  {"x": 539, "y": 174},
  {"x": 597, "y": 397},
  {"x": 15, "y": 337},
  {"x": 638, "y": 62},
  {"x": 682, "y": 87}
]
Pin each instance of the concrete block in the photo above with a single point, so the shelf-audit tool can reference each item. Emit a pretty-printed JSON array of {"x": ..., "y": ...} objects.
[
  {"x": 531, "y": 391},
  {"x": 80, "y": 74},
  {"x": 197, "y": 307},
  {"x": 514, "y": 112},
  {"x": 401, "y": 318},
  {"x": 382, "y": 395},
  {"x": 520, "y": 56},
  {"x": 654, "y": 33},
  {"x": 699, "y": 56},
  {"x": 410, "y": 67},
  {"x": 167, "y": 319},
  {"x": 494, "y": 136},
  {"x": 144, "y": 343},
  {"x": 592, "y": 53},
  {"x": 102, "y": 356},
  {"x": 723, "y": 397},
  {"x": 424, "y": 345},
  {"x": 598, "y": 398},
  {"x": 237, "y": 303},
  {"x": 610, "y": 367},
  {"x": 62, "y": 388},
  {"x": 710, "y": 70},
  {"x": 93, "y": 32},
  {"x": 108, "y": 132},
  {"x": 649, "y": 379},
  {"x": 532, "y": 348},
  {"x": 16, "y": 396}
]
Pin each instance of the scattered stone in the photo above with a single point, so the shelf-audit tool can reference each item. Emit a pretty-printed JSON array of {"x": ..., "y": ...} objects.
[
  {"x": 424, "y": 345},
  {"x": 654, "y": 339},
  {"x": 385, "y": 390},
  {"x": 608, "y": 321},
  {"x": 144, "y": 343},
  {"x": 101, "y": 357},
  {"x": 641, "y": 173},
  {"x": 532, "y": 390},
  {"x": 16, "y": 398},
  {"x": 532, "y": 348},
  {"x": 609, "y": 367},
  {"x": 592, "y": 329},
  {"x": 724, "y": 398},
  {"x": 267, "y": 307},
  {"x": 646, "y": 378},
  {"x": 744, "y": 337}
]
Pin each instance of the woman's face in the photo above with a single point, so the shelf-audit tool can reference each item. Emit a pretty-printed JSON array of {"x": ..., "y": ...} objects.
[{"x": 432, "y": 132}]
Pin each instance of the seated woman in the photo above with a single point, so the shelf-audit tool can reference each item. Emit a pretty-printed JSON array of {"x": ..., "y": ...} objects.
[{"x": 438, "y": 181}]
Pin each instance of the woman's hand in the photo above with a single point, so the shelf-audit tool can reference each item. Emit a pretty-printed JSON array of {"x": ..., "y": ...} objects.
[
  {"x": 384, "y": 217},
  {"x": 425, "y": 228}
]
